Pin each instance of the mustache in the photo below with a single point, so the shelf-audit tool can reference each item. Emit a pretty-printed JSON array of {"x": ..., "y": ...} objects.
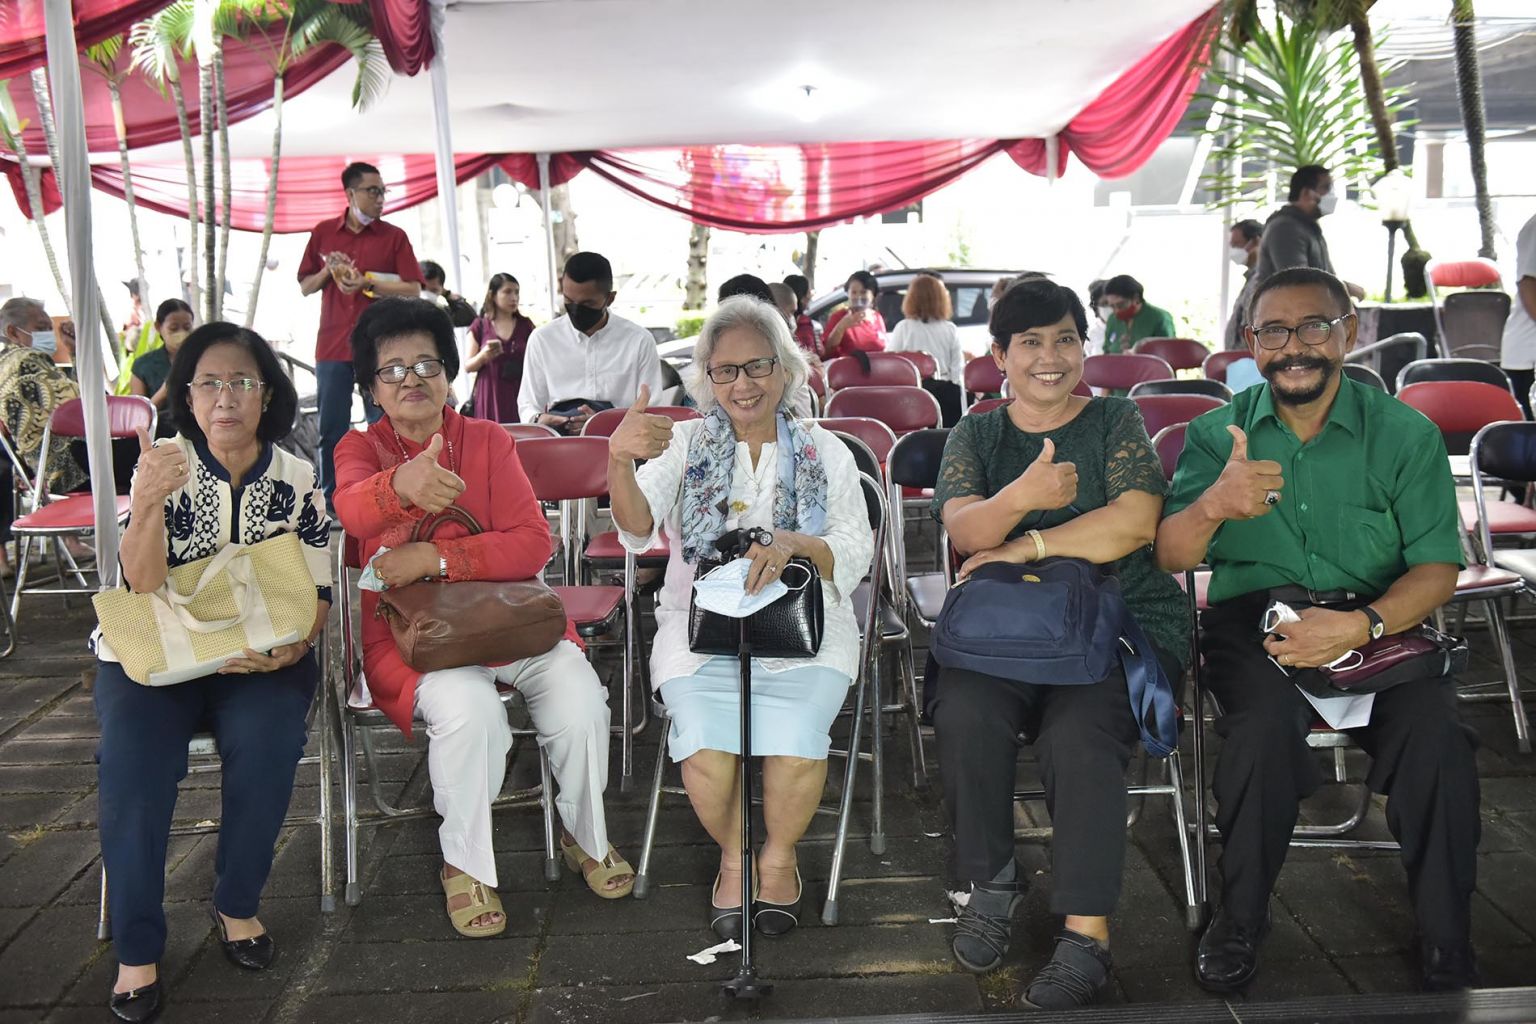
[{"x": 1298, "y": 363}]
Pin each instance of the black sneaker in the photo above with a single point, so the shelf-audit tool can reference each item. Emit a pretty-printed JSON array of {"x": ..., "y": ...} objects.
[
  {"x": 1074, "y": 976},
  {"x": 984, "y": 922},
  {"x": 1448, "y": 968}
]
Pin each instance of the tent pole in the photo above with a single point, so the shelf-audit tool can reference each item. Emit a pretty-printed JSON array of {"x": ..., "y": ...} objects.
[
  {"x": 549, "y": 235},
  {"x": 1052, "y": 154},
  {"x": 75, "y": 184},
  {"x": 447, "y": 179}
]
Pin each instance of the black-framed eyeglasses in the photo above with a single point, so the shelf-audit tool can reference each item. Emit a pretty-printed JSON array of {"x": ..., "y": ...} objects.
[
  {"x": 394, "y": 373},
  {"x": 377, "y": 191},
  {"x": 725, "y": 373},
  {"x": 1312, "y": 333},
  {"x": 211, "y": 387}
]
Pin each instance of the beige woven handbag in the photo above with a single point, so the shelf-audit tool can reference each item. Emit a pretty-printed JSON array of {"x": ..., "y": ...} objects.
[{"x": 259, "y": 596}]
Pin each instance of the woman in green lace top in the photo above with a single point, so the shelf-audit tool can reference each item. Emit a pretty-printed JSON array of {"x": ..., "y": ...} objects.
[{"x": 1050, "y": 473}]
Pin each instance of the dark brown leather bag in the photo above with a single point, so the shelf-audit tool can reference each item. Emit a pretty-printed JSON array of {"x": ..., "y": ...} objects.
[{"x": 440, "y": 625}]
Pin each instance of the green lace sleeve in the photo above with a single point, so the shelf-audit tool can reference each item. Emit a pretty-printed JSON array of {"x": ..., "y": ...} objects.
[
  {"x": 961, "y": 473},
  {"x": 1130, "y": 463}
]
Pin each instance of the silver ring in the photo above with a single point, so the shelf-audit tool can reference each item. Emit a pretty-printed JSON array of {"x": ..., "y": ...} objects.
[{"x": 1271, "y": 497}]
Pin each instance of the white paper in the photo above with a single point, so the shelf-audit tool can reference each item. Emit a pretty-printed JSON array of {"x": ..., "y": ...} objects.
[
  {"x": 707, "y": 956},
  {"x": 1343, "y": 712}
]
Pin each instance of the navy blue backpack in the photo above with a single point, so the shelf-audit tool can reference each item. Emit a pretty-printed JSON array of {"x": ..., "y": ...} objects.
[{"x": 1061, "y": 622}]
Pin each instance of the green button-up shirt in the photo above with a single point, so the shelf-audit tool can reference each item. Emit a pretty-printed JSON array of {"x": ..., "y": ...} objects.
[
  {"x": 1368, "y": 497},
  {"x": 1149, "y": 322}
]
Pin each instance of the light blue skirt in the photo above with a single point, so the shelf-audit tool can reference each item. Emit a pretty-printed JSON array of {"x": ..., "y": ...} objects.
[{"x": 792, "y": 711}]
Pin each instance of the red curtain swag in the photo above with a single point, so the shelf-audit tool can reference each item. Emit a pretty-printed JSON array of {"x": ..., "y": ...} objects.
[
  {"x": 404, "y": 29},
  {"x": 22, "y": 43}
]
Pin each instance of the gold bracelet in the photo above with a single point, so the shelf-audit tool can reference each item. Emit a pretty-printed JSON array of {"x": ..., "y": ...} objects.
[{"x": 1034, "y": 535}]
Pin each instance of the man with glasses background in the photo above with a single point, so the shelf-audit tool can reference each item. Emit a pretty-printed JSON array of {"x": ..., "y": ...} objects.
[
  {"x": 1336, "y": 499},
  {"x": 351, "y": 260}
]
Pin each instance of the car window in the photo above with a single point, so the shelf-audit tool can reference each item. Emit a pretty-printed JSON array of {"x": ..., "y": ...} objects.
[{"x": 970, "y": 304}]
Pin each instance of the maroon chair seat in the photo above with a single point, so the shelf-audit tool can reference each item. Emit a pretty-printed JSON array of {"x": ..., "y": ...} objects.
[
  {"x": 73, "y": 514},
  {"x": 594, "y": 610},
  {"x": 903, "y": 409},
  {"x": 1179, "y": 353},
  {"x": 1460, "y": 408},
  {"x": 1216, "y": 364},
  {"x": 886, "y": 369},
  {"x": 1120, "y": 372},
  {"x": 982, "y": 377},
  {"x": 1169, "y": 443},
  {"x": 926, "y": 365},
  {"x": 872, "y": 432},
  {"x": 1160, "y": 411},
  {"x": 603, "y": 424},
  {"x": 987, "y": 405},
  {"x": 529, "y": 431}
]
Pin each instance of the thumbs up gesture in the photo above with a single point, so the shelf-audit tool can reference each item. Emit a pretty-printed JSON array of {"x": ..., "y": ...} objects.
[
  {"x": 424, "y": 483},
  {"x": 1047, "y": 484},
  {"x": 640, "y": 435},
  {"x": 1246, "y": 488},
  {"x": 159, "y": 471}
]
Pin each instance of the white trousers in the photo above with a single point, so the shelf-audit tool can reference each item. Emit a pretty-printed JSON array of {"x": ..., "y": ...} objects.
[{"x": 468, "y": 739}]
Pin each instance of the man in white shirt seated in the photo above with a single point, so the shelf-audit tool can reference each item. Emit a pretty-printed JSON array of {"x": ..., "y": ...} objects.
[{"x": 589, "y": 359}]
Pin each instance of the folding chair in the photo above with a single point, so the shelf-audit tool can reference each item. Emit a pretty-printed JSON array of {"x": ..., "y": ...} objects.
[
  {"x": 357, "y": 719},
  {"x": 1217, "y": 363},
  {"x": 1460, "y": 408},
  {"x": 1469, "y": 323},
  {"x": 859, "y": 694},
  {"x": 1159, "y": 411},
  {"x": 1421, "y": 370},
  {"x": 603, "y": 424},
  {"x": 987, "y": 405},
  {"x": 903, "y": 409},
  {"x": 875, "y": 435},
  {"x": 1184, "y": 386},
  {"x": 886, "y": 369},
  {"x": 982, "y": 377},
  {"x": 926, "y": 365},
  {"x": 1121, "y": 372},
  {"x": 529, "y": 431},
  {"x": 51, "y": 519},
  {"x": 568, "y": 473},
  {"x": 1362, "y": 374},
  {"x": 1179, "y": 353}
]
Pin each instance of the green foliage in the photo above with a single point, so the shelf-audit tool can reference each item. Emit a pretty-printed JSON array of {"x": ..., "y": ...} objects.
[
  {"x": 689, "y": 326},
  {"x": 1296, "y": 101}
]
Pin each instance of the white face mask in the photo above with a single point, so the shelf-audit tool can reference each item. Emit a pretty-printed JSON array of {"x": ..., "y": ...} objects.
[
  {"x": 1238, "y": 255},
  {"x": 45, "y": 341},
  {"x": 724, "y": 590},
  {"x": 1105, "y": 312},
  {"x": 1327, "y": 204},
  {"x": 362, "y": 218}
]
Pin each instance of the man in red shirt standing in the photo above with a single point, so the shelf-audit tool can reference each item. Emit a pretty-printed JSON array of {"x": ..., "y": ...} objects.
[{"x": 351, "y": 260}]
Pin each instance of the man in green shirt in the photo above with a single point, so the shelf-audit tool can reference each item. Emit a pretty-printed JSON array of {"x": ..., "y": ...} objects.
[
  {"x": 1131, "y": 317},
  {"x": 1337, "y": 500}
]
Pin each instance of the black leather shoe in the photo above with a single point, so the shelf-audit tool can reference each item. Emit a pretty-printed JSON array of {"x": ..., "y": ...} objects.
[
  {"x": 725, "y": 922},
  {"x": 1228, "y": 955},
  {"x": 778, "y": 918},
  {"x": 251, "y": 954},
  {"x": 1448, "y": 968},
  {"x": 137, "y": 1005}
]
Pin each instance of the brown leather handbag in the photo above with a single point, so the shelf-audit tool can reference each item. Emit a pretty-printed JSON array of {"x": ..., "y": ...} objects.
[{"x": 440, "y": 625}]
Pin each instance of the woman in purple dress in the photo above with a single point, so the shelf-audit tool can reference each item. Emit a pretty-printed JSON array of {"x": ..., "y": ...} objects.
[{"x": 498, "y": 339}]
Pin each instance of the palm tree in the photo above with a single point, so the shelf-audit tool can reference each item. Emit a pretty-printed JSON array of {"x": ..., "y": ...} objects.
[
  {"x": 11, "y": 127},
  {"x": 696, "y": 291},
  {"x": 1469, "y": 90},
  {"x": 808, "y": 260},
  {"x": 305, "y": 25},
  {"x": 103, "y": 58}
]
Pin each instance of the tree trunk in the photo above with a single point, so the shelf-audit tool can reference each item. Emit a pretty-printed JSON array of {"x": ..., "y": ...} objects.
[
  {"x": 115, "y": 88},
  {"x": 207, "y": 118},
  {"x": 1376, "y": 101},
  {"x": 266, "y": 227},
  {"x": 1469, "y": 90},
  {"x": 225, "y": 183},
  {"x": 35, "y": 203},
  {"x": 696, "y": 293},
  {"x": 185, "y": 125},
  {"x": 566, "y": 244},
  {"x": 808, "y": 261}
]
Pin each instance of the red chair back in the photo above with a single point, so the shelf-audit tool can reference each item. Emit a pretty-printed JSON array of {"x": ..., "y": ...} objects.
[
  {"x": 903, "y": 409},
  {"x": 987, "y": 405},
  {"x": 124, "y": 414},
  {"x": 1179, "y": 353},
  {"x": 876, "y": 435},
  {"x": 886, "y": 369},
  {"x": 352, "y": 551},
  {"x": 1473, "y": 273},
  {"x": 1162, "y": 411},
  {"x": 926, "y": 365},
  {"x": 1119, "y": 372},
  {"x": 1460, "y": 408},
  {"x": 818, "y": 384},
  {"x": 1081, "y": 389},
  {"x": 529, "y": 431},
  {"x": 603, "y": 424},
  {"x": 1216, "y": 364},
  {"x": 982, "y": 376},
  {"x": 566, "y": 468},
  {"x": 1169, "y": 445}
]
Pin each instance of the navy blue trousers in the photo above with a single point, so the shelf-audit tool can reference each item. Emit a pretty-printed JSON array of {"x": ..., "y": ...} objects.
[{"x": 258, "y": 721}]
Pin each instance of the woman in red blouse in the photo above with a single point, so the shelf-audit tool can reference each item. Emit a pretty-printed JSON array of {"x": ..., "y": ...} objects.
[
  {"x": 858, "y": 327},
  {"x": 417, "y": 460}
]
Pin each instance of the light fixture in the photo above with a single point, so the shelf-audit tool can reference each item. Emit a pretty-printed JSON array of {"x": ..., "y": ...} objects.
[{"x": 1394, "y": 196}]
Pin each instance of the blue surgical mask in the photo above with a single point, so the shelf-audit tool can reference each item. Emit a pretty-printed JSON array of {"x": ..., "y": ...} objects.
[{"x": 45, "y": 341}]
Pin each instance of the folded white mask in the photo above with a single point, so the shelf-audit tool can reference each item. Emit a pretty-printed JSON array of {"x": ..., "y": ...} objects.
[
  {"x": 369, "y": 580},
  {"x": 724, "y": 591}
]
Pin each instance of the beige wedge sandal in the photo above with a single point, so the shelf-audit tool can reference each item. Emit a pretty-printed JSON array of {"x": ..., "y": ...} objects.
[
  {"x": 604, "y": 871},
  {"x": 482, "y": 900}
]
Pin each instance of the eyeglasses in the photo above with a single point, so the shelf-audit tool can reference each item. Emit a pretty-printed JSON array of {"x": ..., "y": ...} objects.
[
  {"x": 377, "y": 191},
  {"x": 395, "y": 372},
  {"x": 209, "y": 387},
  {"x": 1312, "y": 333},
  {"x": 728, "y": 372}
]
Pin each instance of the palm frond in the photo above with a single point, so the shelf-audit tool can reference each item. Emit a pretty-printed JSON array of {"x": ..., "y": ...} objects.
[{"x": 332, "y": 23}]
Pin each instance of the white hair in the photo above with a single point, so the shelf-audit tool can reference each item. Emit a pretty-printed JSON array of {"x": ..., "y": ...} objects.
[
  {"x": 763, "y": 319},
  {"x": 20, "y": 312}
]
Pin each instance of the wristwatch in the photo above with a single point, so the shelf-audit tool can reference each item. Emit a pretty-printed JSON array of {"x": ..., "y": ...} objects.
[
  {"x": 758, "y": 535},
  {"x": 1378, "y": 628},
  {"x": 442, "y": 567}
]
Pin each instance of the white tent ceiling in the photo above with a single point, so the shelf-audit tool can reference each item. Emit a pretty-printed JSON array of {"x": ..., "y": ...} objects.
[{"x": 558, "y": 75}]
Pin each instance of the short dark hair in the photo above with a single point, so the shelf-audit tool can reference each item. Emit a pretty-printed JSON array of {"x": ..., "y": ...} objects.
[
  {"x": 1310, "y": 176},
  {"x": 170, "y": 306},
  {"x": 746, "y": 284},
  {"x": 1301, "y": 277},
  {"x": 801, "y": 286},
  {"x": 583, "y": 267},
  {"x": 1251, "y": 229},
  {"x": 355, "y": 173},
  {"x": 1036, "y": 302},
  {"x": 282, "y": 399},
  {"x": 864, "y": 278},
  {"x": 1125, "y": 286},
  {"x": 387, "y": 319},
  {"x": 431, "y": 270}
]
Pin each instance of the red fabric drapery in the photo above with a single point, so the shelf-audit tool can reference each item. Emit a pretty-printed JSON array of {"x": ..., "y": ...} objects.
[
  {"x": 404, "y": 29},
  {"x": 1119, "y": 131},
  {"x": 22, "y": 43}
]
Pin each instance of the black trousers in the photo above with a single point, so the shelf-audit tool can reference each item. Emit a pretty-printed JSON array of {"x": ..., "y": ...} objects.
[
  {"x": 1422, "y": 759},
  {"x": 1083, "y": 737}
]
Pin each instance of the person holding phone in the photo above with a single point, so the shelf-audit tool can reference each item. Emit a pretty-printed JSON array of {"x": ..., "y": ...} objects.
[{"x": 859, "y": 327}]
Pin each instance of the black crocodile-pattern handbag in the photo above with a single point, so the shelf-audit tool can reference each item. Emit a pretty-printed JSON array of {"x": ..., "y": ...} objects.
[{"x": 790, "y": 627}]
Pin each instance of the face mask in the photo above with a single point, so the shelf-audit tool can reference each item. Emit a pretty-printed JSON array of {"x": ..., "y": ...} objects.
[
  {"x": 1238, "y": 255},
  {"x": 1105, "y": 312},
  {"x": 44, "y": 341},
  {"x": 1327, "y": 204},
  {"x": 1127, "y": 314},
  {"x": 858, "y": 303},
  {"x": 175, "y": 338},
  {"x": 724, "y": 591},
  {"x": 583, "y": 318},
  {"x": 362, "y": 218}
]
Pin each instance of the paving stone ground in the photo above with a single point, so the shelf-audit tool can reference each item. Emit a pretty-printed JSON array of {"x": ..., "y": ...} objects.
[{"x": 1341, "y": 923}]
